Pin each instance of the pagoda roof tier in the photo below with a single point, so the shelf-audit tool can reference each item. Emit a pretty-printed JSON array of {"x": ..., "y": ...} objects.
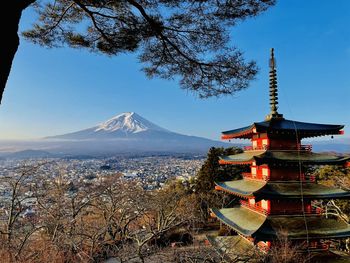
[
  {"x": 287, "y": 127},
  {"x": 243, "y": 188},
  {"x": 241, "y": 158},
  {"x": 260, "y": 227},
  {"x": 240, "y": 219},
  {"x": 281, "y": 190},
  {"x": 286, "y": 157},
  {"x": 232, "y": 245}
]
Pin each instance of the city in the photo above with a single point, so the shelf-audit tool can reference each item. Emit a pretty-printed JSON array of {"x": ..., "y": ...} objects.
[{"x": 148, "y": 172}]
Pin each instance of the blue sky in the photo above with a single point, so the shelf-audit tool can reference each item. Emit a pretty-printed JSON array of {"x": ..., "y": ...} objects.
[{"x": 55, "y": 91}]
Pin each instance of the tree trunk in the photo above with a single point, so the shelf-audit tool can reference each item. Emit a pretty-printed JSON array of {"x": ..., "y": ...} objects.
[
  {"x": 9, "y": 19},
  {"x": 139, "y": 253}
]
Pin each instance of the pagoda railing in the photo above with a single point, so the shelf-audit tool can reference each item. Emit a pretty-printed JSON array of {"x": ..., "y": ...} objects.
[
  {"x": 303, "y": 178},
  {"x": 310, "y": 178},
  {"x": 254, "y": 208},
  {"x": 263, "y": 211},
  {"x": 256, "y": 148},
  {"x": 299, "y": 147},
  {"x": 250, "y": 176},
  {"x": 315, "y": 246},
  {"x": 304, "y": 147},
  {"x": 295, "y": 212}
]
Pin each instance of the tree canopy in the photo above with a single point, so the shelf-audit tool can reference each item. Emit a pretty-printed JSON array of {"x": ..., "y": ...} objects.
[
  {"x": 211, "y": 172},
  {"x": 184, "y": 39}
]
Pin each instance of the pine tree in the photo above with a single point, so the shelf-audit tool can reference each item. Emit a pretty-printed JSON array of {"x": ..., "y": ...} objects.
[
  {"x": 210, "y": 172},
  {"x": 182, "y": 38}
]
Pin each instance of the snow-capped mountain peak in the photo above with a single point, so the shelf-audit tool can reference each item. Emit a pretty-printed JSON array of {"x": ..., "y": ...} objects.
[
  {"x": 128, "y": 122},
  {"x": 126, "y": 133}
]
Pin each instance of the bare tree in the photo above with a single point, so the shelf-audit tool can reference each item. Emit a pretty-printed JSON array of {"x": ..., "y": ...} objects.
[
  {"x": 63, "y": 209},
  {"x": 329, "y": 208},
  {"x": 166, "y": 209},
  {"x": 17, "y": 223},
  {"x": 111, "y": 218},
  {"x": 284, "y": 250},
  {"x": 116, "y": 212}
]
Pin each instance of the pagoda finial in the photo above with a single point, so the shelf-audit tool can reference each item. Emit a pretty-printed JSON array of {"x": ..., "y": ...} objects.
[{"x": 273, "y": 89}]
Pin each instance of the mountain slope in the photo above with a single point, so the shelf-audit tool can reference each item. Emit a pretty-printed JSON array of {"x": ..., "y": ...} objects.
[
  {"x": 129, "y": 132},
  {"x": 123, "y": 125},
  {"x": 129, "y": 122}
]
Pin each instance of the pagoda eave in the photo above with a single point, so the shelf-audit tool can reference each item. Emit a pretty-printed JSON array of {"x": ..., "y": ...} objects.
[
  {"x": 296, "y": 190},
  {"x": 290, "y": 157},
  {"x": 242, "y": 133},
  {"x": 235, "y": 162},
  {"x": 268, "y": 228},
  {"x": 242, "y": 188},
  {"x": 267, "y": 237},
  {"x": 259, "y": 197},
  {"x": 241, "y": 220},
  {"x": 294, "y": 227},
  {"x": 281, "y": 126},
  {"x": 260, "y": 161},
  {"x": 247, "y": 157},
  {"x": 280, "y": 190}
]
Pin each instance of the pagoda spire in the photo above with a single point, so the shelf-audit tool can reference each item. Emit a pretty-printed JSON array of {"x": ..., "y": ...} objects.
[{"x": 273, "y": 89}]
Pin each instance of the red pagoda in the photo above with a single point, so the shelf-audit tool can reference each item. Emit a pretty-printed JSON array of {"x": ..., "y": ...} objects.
[{"x": 276, "y": 195}]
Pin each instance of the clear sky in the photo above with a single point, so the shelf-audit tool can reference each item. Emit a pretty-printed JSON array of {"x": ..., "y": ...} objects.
[{"x": 55, "y": 91}]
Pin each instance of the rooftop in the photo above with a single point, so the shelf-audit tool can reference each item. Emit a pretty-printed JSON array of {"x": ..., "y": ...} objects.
[
  {"x": 281, "y": 190},
  {"x": 270, "y": 156},
  {"x": 288, "y": 127},
  {"x": 249, "y": 223}
]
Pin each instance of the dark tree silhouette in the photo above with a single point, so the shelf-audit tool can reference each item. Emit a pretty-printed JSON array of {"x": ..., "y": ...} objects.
[
  {"x": 211, "y": 172},
  {"x": 185, "y": 39},
  {"x": 10, "y": 39}
]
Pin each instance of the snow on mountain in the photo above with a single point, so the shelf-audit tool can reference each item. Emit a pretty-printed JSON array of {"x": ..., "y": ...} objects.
[
  {"x": 129, "y": 132},
  {"x": 129, "y": 122}
]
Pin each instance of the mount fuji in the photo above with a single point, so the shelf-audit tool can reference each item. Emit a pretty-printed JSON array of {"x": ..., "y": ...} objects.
[
  {"x": 124, "y": 125},
  {"x": 129, "y": 132}
]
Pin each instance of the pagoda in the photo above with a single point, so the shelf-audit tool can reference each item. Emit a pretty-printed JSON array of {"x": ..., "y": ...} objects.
[{"x": 277, "y": 194}]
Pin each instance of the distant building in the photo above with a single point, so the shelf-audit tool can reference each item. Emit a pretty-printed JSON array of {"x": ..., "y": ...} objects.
[{"x": 276, "y": 194}]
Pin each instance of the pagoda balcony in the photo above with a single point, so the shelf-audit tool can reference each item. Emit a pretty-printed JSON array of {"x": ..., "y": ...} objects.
[
  {"x": 266, "y": 178},
  {"x": 254, "y": 208},
  {"x": 309, "y": 178},
  {"x": 312, "y": 178},
  {"x": 321, "y": 247},
  {"x": 249, "y": 176},
  {"x": 312, "y": 212},
  {"x": 304, "y": 147},
  {"x": 256, "y": 148},
  {"x": 300, "y": 147},
  {"x": 260, "y": 210},
  {"x": 315, "y": 246}
]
